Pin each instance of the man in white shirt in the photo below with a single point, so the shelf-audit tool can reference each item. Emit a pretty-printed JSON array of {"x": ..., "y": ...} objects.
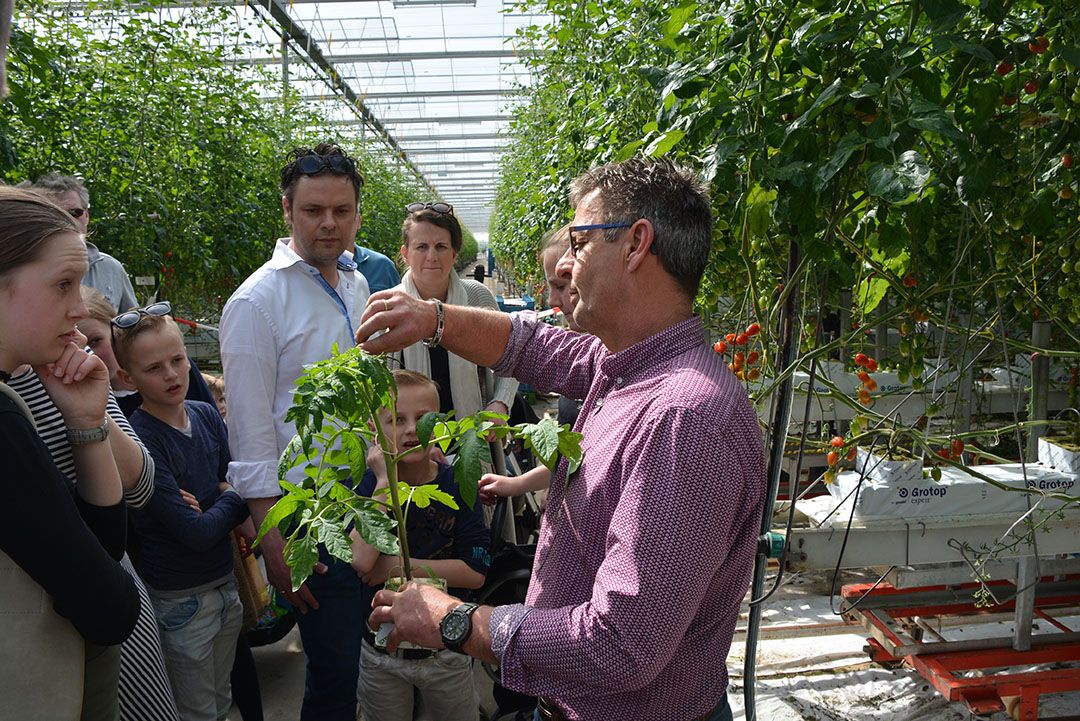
[{"x": 290, "y": 312}]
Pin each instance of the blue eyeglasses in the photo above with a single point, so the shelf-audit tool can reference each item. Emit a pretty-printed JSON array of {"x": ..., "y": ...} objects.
[{"x": 576, "y": 244}]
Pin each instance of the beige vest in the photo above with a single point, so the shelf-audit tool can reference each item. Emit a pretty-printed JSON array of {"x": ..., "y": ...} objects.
[{"x": 42, "y": 656}]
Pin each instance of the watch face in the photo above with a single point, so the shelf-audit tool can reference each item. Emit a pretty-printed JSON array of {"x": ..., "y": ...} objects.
[{"x": 456, "y": 626}]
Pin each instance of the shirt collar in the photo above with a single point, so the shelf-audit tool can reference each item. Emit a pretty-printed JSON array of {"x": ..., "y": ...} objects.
[
  {"x": 286, "y": 257},
  {"x": 362, "y": 254},
  {"x": 92, "y": 252},
  {"x": 669, "y": 343}
]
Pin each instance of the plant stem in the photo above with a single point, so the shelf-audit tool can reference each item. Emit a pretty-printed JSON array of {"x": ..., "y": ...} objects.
[{"x": 395, "y": 501}]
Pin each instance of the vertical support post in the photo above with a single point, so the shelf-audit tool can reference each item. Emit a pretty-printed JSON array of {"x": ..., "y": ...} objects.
[
  {"x": 285, "y": 71},
  {"x": 966, "y": 390},
  {"x": 1026, "y": 576},
  {"x": 881, "y": 331},
  {"x": 1040, "y": 386}
]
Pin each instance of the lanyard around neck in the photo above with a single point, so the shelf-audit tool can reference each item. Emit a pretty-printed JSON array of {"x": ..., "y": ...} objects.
[{"x": 314, "y": 273}]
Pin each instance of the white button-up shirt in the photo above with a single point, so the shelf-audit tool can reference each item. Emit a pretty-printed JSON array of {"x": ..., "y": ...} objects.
[{"x": 278, "y": 320}]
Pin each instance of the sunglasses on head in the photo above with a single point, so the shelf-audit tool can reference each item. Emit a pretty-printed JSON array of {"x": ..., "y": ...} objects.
[
  {"x": 441, "y": 208},
  {"x": 314, "y": 164},
  {"x": 77, "y": 212},
  {"x": 132, "y": 317}
]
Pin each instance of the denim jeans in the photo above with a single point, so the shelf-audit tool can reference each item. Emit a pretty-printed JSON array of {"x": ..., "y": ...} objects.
[
  {"x": 444, "y": 682},
  {"x": 198, "y": 642},
  {"x": 332, "y": 637},
  {"x": 721, "y": 714}
]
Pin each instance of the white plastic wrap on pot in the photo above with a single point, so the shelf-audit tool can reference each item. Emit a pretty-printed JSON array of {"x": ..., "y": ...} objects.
[
  {"x": 883, "y": 470},
  {"x": 1058, "y": 457}
]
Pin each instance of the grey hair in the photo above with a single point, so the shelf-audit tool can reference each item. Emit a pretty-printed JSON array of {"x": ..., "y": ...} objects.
[
  {"x": 57, "y": 184},
  {"x": 671, "y": 197}
]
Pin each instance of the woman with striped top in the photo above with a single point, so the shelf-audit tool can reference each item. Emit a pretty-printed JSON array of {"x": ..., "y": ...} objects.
[{"x": 145, "y": 694}]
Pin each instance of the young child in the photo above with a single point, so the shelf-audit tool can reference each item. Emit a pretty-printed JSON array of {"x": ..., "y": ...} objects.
[
  {"x": 557, "y": 273},
  {"x": 454, "y": 545},
  {"x": 186, "y": 555},
  {"x": 216, "y": 384}
]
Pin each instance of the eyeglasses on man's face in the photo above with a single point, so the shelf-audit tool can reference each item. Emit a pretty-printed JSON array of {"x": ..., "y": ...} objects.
[
  {"x": 314, "y": 164},
  {"x": 77, "y": 212},
  {"x": 577, "y": 242},
  {"x": 441, "y": 208},
  {"x": 132, "y": 317}
]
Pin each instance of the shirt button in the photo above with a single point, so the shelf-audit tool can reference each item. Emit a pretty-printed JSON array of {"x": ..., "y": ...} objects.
[
  {"x": 599, "y": 403},
  {"x": 619, "y": 381}
]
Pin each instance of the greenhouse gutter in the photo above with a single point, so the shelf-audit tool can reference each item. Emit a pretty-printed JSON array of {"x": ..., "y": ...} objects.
[{"x": 292, "y": 30}]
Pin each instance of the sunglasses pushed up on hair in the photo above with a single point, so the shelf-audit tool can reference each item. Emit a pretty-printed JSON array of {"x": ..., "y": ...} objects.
[
  {"x": 315, "y": 164},
  {"x": 130, "y": 318},
  {"x": 441, "y": 208}
]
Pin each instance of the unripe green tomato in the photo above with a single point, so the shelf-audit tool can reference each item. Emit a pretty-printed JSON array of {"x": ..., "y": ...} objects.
[
  {"x": 1057, "y": 65},
  {"x": 1074, "y": 317},
  {"x": 1018, "y": 303},
  {"x": 1062, "y": 292},
  {"x": 1064, "y": 251},
  {"x": 1067, "y": 266},
  {"x": 1054, "y": 86},
  {"x": 1008, "y": 152},
  {"x": 783, "y": 45},
  {"x": 1016, "y": 221},
  {"x": 1076, "y": 96},
  {"x": 1076, "y": 267}
]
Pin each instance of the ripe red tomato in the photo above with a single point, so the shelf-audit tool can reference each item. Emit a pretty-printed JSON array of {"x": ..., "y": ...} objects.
[
  {"x": 852, "y": 453},
  {"x": 864, "y": 377},
  {"x": 1031, "y": 87},
  {"x": 837, "y": 442},
  {"x": 871, "y": 365},
  {"x": 957, "y": 447},
  {"x": 1066, "y": 160},
  {"x": 753, "y": 374},
  {"x": 752, "y": 358},
  {"x": 730, "y": 337},
  {"x": 1004, "y": 68},
  {"x": 739, "y": 358},
  {"x": 740, "y": 339},
  {"x": 910, "y": 281},
  {"x": 832, "y": 458},
  {"x": 1008, "y": 100},
  {"x": 753, "y": 329},
  {"x": 860, "y": 359},
  {"x": 719, "y": 346}
]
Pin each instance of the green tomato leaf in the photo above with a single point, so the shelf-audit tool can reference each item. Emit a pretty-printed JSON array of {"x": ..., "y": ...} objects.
[
  {"x": 869, "y": 293},
  {"x": 677, "y": 19},
  {"x": 290, "y": 457},
  {"x": 356, "y": 455},
  {"x": 898, "y": 184},
  {"x": 759, "y": 205},
  {"x": 661, "y": 145},
  {"x": 543, "y": 439},
  {"x": 473, "y": 452},
  {"x": 376, "y": 528},
  {"x": 847, "y": 145},
  {"x": 426, "y": 426},
  {"x": 627, "y": 151},
  {"x": 279, "y": 515},
  {"x": 301, "y": 555},
  {"x": 828, "y": 97},
  {"x": 422, "y": 496},
  {"x": 336, "y": 540}
]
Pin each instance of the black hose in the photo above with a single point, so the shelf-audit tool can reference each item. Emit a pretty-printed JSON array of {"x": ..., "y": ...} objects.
[{"x": 778, "y": 433}]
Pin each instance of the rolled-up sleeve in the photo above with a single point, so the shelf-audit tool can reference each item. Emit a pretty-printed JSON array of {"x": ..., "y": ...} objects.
[
  {"x": 674, "y": 528},
  {"x": 249, "y": 356}
]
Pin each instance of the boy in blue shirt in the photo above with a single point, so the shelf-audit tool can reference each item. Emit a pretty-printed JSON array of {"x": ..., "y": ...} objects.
[
  {"x": 454, "y": 544},
  {"x": 186, "y": 553}
]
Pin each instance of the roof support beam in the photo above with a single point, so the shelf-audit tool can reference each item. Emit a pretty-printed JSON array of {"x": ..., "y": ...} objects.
[
  {"x": 403, "y": 57},
  {"x": 461, "y": 150},
  {"x": 445, "y": 138},
  {"x": 302, "y": 40},
  {"x": 445, "y": 120},
  {"x": 468, "y": 92}
]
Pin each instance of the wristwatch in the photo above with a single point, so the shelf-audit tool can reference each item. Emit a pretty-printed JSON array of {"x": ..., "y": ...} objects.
[
  {"x": 456, "y": 626},
  {"x": 440, "y": 324},
  {"x": 86, "y": 436}
]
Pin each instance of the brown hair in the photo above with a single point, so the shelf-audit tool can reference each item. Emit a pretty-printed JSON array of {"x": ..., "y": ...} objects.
[
  {"x": 97, "y": 306},
  {"x": 124, "y": 338},
  {"x": 27, "y": 222},
  {"x": 291, "y": 174},
  {"x": 412, "y": 379},
  {"x": 446, "y": 221}
]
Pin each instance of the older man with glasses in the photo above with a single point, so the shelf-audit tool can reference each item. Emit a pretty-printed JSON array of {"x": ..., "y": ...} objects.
[
  {"x": 646, "y": 550},
  {"x": 106, "y": 274},
  {"x": 288, "y": 313}
]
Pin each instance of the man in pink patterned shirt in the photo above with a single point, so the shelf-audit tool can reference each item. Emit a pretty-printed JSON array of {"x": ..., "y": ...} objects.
[{"x": 646, "y": 551}]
